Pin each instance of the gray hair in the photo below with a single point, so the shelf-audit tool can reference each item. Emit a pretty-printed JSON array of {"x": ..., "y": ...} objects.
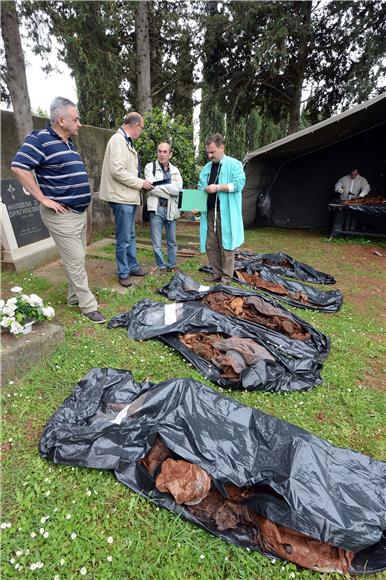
[
  {"x": 58, "y": 106},
  {"x": 133, "y": 118},
  {"x": 166, "y": 143},
  {"x": 216, "y": 138}
]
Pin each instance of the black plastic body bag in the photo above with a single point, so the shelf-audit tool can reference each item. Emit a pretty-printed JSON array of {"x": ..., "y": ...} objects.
[
  {"x": 329, "y": 493},
  {"x": 283, "y": 265},
  {"x": 323, "y": 300},
  {"x": 296, "y": 365},
  {"x": 182, "y": 288}
]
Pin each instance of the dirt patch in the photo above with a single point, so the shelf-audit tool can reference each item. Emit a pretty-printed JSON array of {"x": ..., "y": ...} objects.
[
  {"x": 374, "y": 377},
  {"x": 364, "y": 285},
  {"x": 5, "y": 448},
  {"x": 86, "y": 331},
  {"x": 32, "y": 432},
  {"x": 101, "y": 272},
  {"x": 360, "y": 292},
  {"x": 321, "y": 417}
]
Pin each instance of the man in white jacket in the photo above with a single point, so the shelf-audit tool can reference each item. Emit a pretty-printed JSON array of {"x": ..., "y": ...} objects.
[
  {"x": 352, "y": 186},
  {"x": 162, "y": 205},
  {"x": 121, "y": 187}
]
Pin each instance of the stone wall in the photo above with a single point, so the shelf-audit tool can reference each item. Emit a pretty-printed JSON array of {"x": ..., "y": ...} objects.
[{"x": 91, "y": 144}]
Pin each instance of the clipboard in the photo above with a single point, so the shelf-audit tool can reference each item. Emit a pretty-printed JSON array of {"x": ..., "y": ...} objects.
[
  {"x": 162, "y": 182},
  {"x": 190, "y": 199}
]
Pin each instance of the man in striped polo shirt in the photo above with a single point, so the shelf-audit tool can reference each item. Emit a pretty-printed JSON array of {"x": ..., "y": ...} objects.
[{"x": 63, "y": 191}]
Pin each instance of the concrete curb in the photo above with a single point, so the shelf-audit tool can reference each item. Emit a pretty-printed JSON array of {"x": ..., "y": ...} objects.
[{"x": 20, "y": 354}]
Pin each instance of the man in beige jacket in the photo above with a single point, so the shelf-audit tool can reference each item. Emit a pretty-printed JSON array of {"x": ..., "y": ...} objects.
[{"x": 121, "y": 187}]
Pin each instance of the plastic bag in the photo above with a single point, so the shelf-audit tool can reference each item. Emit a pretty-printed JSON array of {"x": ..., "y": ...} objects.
[
  {"x": 183, "y": 288},
  {"x": 296, "y": 365},
  {"x": 294, "y": 293},
  {"x": 326, "y": 492},
  {"x": 282, "y": 264}
]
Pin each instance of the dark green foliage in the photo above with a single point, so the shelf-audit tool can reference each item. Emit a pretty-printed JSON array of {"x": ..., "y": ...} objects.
[
  {"x": 161, "y": 127},
  {"x": 263, "y": 54},
  {"x": 89, "y": 33},
  {"x": 243, "y": 133},
  {"x": 257, "y": 59},
  {"x": 172, "y": 29},
  {"x": 264, "y": 48},
  {"x": 212, "y": 118},
  {"x": 235, "y": 136},
  {"x": 347, "y": 62},
  {"x": 99, "y": 46}
]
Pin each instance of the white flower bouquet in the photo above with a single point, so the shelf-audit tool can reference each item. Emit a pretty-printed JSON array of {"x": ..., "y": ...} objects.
[{"x": 22, "y": 309}]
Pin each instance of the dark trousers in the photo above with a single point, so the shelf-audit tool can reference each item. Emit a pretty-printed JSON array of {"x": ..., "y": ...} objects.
[
  {"x": 344, "y": 221},
  {"x": 222, "y": 261}
]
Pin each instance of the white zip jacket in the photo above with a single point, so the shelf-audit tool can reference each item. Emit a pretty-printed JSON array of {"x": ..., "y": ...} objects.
[
  {"x": 359, "y": 187},
  {"x": 169, "y": 191}
]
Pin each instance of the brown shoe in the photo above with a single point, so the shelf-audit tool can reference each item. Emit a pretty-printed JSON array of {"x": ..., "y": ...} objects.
[
  {"x": 139, "y": 272},
  {"x": 174, "y": 269},
  {"x": 125, "y": 282}
]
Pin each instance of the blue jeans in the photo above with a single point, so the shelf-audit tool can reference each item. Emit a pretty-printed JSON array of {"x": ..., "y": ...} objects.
[
  {"x": 126, "y": 250},
  {"x": 157, "y": 220}
]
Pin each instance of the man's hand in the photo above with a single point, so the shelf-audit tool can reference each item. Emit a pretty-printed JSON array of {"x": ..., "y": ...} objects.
[
  {"x": 211, "y": 188},
  {"x": 147, "y": 185},
  {"x": 51, "y": 204},
  {"x": 28, "y": 182},
  {"x": 363, "y": 194}
]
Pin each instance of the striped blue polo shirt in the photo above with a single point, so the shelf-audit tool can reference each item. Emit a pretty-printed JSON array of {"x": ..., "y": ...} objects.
[{"x": 59, "y": 169}]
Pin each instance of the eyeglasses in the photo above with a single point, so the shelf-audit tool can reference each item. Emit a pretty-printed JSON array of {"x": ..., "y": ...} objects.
[{"x": 142, "y": 126}]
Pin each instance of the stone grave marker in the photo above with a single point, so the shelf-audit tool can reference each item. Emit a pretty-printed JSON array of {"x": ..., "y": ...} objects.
[
  {"x": 26, "y": 242},
  {"x": 23, "y": 212}
]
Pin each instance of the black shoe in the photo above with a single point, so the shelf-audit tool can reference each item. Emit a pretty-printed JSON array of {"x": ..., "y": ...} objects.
[
  {"x": 139, "y": 272},
  {"x": 96, "y": 317},
  {"x": 125, "y": 282}
]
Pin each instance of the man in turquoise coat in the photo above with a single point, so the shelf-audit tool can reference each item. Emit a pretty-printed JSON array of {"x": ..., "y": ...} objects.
[{"x": 221, "y": 226}]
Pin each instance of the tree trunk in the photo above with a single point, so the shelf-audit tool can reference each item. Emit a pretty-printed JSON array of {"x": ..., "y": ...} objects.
[
  {"x": 16, "y": 77},
  {"x": 299, "y": 66},
  {"x": 143, "y": 58}
]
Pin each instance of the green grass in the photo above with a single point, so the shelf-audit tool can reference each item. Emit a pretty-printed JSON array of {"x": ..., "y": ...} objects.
[{"x": 148, "y": 542}]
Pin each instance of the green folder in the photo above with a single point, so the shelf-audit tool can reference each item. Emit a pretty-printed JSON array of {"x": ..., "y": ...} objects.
[{"x": 193, "y": 199}]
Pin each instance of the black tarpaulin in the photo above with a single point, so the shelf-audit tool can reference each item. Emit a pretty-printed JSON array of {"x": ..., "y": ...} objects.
[
  {"x": 183, "y": 288},
  {"x": 296, "y": 366},
  {"x": 290, "y": 183},
  {"x": 379, "y": 210},
  {"x": 283, "y": 265},
  {"x": 326, "y": 492}
]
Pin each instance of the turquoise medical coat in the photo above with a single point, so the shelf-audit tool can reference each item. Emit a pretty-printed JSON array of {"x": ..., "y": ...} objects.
[{"x": 232, "y": 227}]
